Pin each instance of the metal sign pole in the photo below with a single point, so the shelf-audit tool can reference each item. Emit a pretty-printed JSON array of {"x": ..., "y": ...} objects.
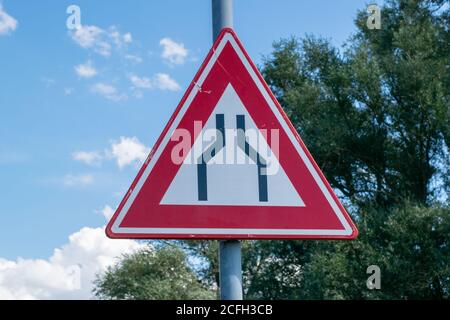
[
  {"x": 230, "y": 270},
  {"x": 230, "y": 265},
  {"x": 222, "y": 14}
]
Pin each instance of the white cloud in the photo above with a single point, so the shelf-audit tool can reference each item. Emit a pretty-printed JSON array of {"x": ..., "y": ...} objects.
[
  {"x": 100, "y": 40},
  {"x": 104, "y": 89},
  {"x": 7, "y": 23},
  {"x": 81, "y": 180},
  {"x": 108, "y": 91},
  {"x": 128, "y": 151},
  {"x": 141, "y": 82},
  {"x": 173, "y": 52},
  {"x": 117, "y": 38},
  {"x": 103, "y": 49},
  {"x": 86, "y": 70},
  {"x": 133, "y": 58},
  {"x": 68, "y": 273},
  {"x": 87, "y": 36},
  {"x": 68, "y": 91},
  {"x": 165, "y": 82},
  {"x": 107, "y": 212},
  {"x": 159, "y": 81},
  {"x": 138, "y": 94},
  {"x": 48, "y": 81},
  {"x": 92, "y": 158},
  {"x": 127, "y": 37}
]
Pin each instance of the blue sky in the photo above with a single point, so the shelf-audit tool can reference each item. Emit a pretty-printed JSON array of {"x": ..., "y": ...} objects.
[{"x": 66, "y": 99}]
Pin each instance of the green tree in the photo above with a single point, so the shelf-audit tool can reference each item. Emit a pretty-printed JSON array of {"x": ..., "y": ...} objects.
[
  {"x": 412, "y": 251},
  {"x": 152, "y": 274},
  {"x": 376, "y": 117}
]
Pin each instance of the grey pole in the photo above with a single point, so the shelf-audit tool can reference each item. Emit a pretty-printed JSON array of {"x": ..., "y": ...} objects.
[
  {"x": 230, "y": 270},
  {"x": 230, "y": 265},
  {"x": 222, "y": 13}
]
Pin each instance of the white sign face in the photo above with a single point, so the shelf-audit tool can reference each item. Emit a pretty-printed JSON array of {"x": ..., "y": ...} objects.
[{"x": 232, "y": 176}]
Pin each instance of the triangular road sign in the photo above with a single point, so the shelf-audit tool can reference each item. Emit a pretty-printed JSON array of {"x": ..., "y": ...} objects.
[{"x": 229, "y": 164}]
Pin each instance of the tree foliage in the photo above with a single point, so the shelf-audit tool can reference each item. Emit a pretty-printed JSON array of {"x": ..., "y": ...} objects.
[
  {"x": 152, "y": 274},
  {"x": 411, "y": 248},
  {"x": 376, "y": 117}
]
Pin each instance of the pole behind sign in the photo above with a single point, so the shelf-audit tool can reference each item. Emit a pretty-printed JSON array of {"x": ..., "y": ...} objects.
[{"x": 230, "y": 265}]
